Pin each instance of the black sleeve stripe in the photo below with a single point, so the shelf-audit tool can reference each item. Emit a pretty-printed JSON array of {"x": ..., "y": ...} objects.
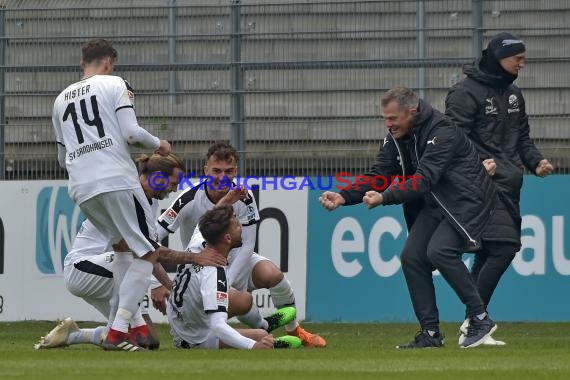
[
  {"x": 60, "y": 143},
  {"x": 251, "y": 223},
  {"x": 164, "y": 225},
  {"x": 222, "y": 280},
  {"x": 129, "y": 106},
  {"x": 184, "y": 199},
  {"x": 129, "y": 87},
  {"x": 220, "y": 309}
]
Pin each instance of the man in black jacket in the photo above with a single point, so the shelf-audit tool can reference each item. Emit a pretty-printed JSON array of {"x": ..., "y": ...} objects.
[
  {"x": 491, "y": 110},
  {"x": 447, "y": 203}
]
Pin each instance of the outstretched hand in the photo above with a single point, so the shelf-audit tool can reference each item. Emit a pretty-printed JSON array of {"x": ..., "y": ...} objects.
[
  {"x": 159, "y": 296},
  {"x": 372, "y": 199},
  {"x": 331, "y": 200},
  {"x": 209, "y": 257},
  {"x": 264, "y": 343},
  {"x": 232, "y": 196},
  {"x": 164, "y": 149}
]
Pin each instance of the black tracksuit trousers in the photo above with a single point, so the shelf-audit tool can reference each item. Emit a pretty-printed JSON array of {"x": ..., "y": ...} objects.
[
  {"x": 433, "y": 243},
  {"x": 490, "y": 264}
]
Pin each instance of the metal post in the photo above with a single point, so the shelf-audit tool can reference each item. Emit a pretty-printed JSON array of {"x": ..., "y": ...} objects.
[
  {"x": 421, "y": 12},
  {"x": 172, "y": 49},
  {"x": 477, "y": 20},
  {"x": 2, "y": 92},
  {"x": 237, "y": 110}
]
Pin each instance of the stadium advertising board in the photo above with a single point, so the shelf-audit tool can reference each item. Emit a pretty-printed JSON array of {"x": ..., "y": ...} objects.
[
  {"x": 40, "y": 222},
  {"x": 354, "y": 270}
]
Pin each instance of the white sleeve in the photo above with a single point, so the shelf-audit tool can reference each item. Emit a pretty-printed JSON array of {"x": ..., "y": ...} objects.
[
  {"x": 61, "y": 153},
  {"x": 161, "y": 232},
  {"x": 132, "y": 132},
  {"x": 154, "y": 283},
  {"x": 227, "y": 334},
  {"x": 171, "y": 218}
]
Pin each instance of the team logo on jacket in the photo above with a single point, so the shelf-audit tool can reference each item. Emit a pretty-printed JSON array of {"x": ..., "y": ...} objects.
[
  {"x": 513, "y": 104},
  {"x": 490, "y": 108}
]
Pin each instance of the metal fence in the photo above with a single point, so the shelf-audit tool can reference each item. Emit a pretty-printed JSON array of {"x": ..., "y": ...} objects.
[{"x": 295, "y": 85}]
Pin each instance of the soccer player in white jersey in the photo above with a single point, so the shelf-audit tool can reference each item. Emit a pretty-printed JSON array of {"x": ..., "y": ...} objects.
[
  {"x": 248, "y": 270},
  {"x": 95, "y": 123},
  {"x": 202, "y": 300},
  {"x": 88, "y": 267}
]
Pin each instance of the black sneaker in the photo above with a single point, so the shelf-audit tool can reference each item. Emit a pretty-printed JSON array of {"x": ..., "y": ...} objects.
[
  {"x": 423, "y": 339},
  {"x": 478, "y": 331}
]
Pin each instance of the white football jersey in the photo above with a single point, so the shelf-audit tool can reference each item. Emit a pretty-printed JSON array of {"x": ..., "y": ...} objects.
[
  {"x": 89, "y": 241},
  {"x": 197, "y": 292},
  {"x": 98, "y": 157},
  {"x": 191, "y": 204}
]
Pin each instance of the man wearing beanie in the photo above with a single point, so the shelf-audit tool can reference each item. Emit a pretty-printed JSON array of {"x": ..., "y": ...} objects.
[{"x": 491, "y": 110}]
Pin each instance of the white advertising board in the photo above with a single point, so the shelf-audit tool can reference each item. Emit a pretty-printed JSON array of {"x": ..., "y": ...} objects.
[{"x": 40, "y": 222}]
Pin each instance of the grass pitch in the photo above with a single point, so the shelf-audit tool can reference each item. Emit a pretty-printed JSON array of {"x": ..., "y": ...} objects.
[{"x": 355, "y": 351}]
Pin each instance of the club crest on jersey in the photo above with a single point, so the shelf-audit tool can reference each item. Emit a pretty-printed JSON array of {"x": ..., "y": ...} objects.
[{"x": 57, "y": 221}]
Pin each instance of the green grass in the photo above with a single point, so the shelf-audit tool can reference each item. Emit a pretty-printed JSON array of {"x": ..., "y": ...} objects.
[{"x": 355, "y": 351}]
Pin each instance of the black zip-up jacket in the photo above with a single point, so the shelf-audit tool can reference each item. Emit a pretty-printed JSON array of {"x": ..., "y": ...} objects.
[
  {"x": 492, "y": 113},
  {"x": 447, "y": 170}
]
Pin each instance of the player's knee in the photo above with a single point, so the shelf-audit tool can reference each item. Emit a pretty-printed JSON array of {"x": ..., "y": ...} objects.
[
  {"x": 240, "y": 302},
  {"x": 266, "y": 275}
]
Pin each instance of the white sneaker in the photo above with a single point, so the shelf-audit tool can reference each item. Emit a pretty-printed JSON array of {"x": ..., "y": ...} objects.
[
  {"x": 463, "y": 331},
  {"x": 489, "y": 341},
  {"x": 58, "y": 336}
]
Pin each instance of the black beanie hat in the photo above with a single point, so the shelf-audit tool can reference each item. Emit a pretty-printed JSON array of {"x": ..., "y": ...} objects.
[{"x": 505, "y": 45}]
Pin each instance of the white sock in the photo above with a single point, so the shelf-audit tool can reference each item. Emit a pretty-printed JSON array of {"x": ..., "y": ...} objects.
[
  {"x": 133, "y": 288},
  {"x": 87, "y": 336},
  {"x": 137, "y": 319},
  {"x": 253, "y": 318},
  {"x": 282, "y": 295},
  {"x": 121, "y": 263}
]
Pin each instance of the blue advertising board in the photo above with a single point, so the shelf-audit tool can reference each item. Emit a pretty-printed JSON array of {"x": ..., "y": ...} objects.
[{"x": 354, "y": 272}]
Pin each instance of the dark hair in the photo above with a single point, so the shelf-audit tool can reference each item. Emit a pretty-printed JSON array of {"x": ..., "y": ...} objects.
[
  {"x": 156, "y": 163},
  {"x": 405, "y": 97},
  {"x": 222, "y": 151},
  {"x": 97, "y": 49},
  {"x": 215, "y": 223}
]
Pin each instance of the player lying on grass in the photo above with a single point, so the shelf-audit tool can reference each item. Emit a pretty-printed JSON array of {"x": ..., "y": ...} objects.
[{"x": 202, "y": 299}]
